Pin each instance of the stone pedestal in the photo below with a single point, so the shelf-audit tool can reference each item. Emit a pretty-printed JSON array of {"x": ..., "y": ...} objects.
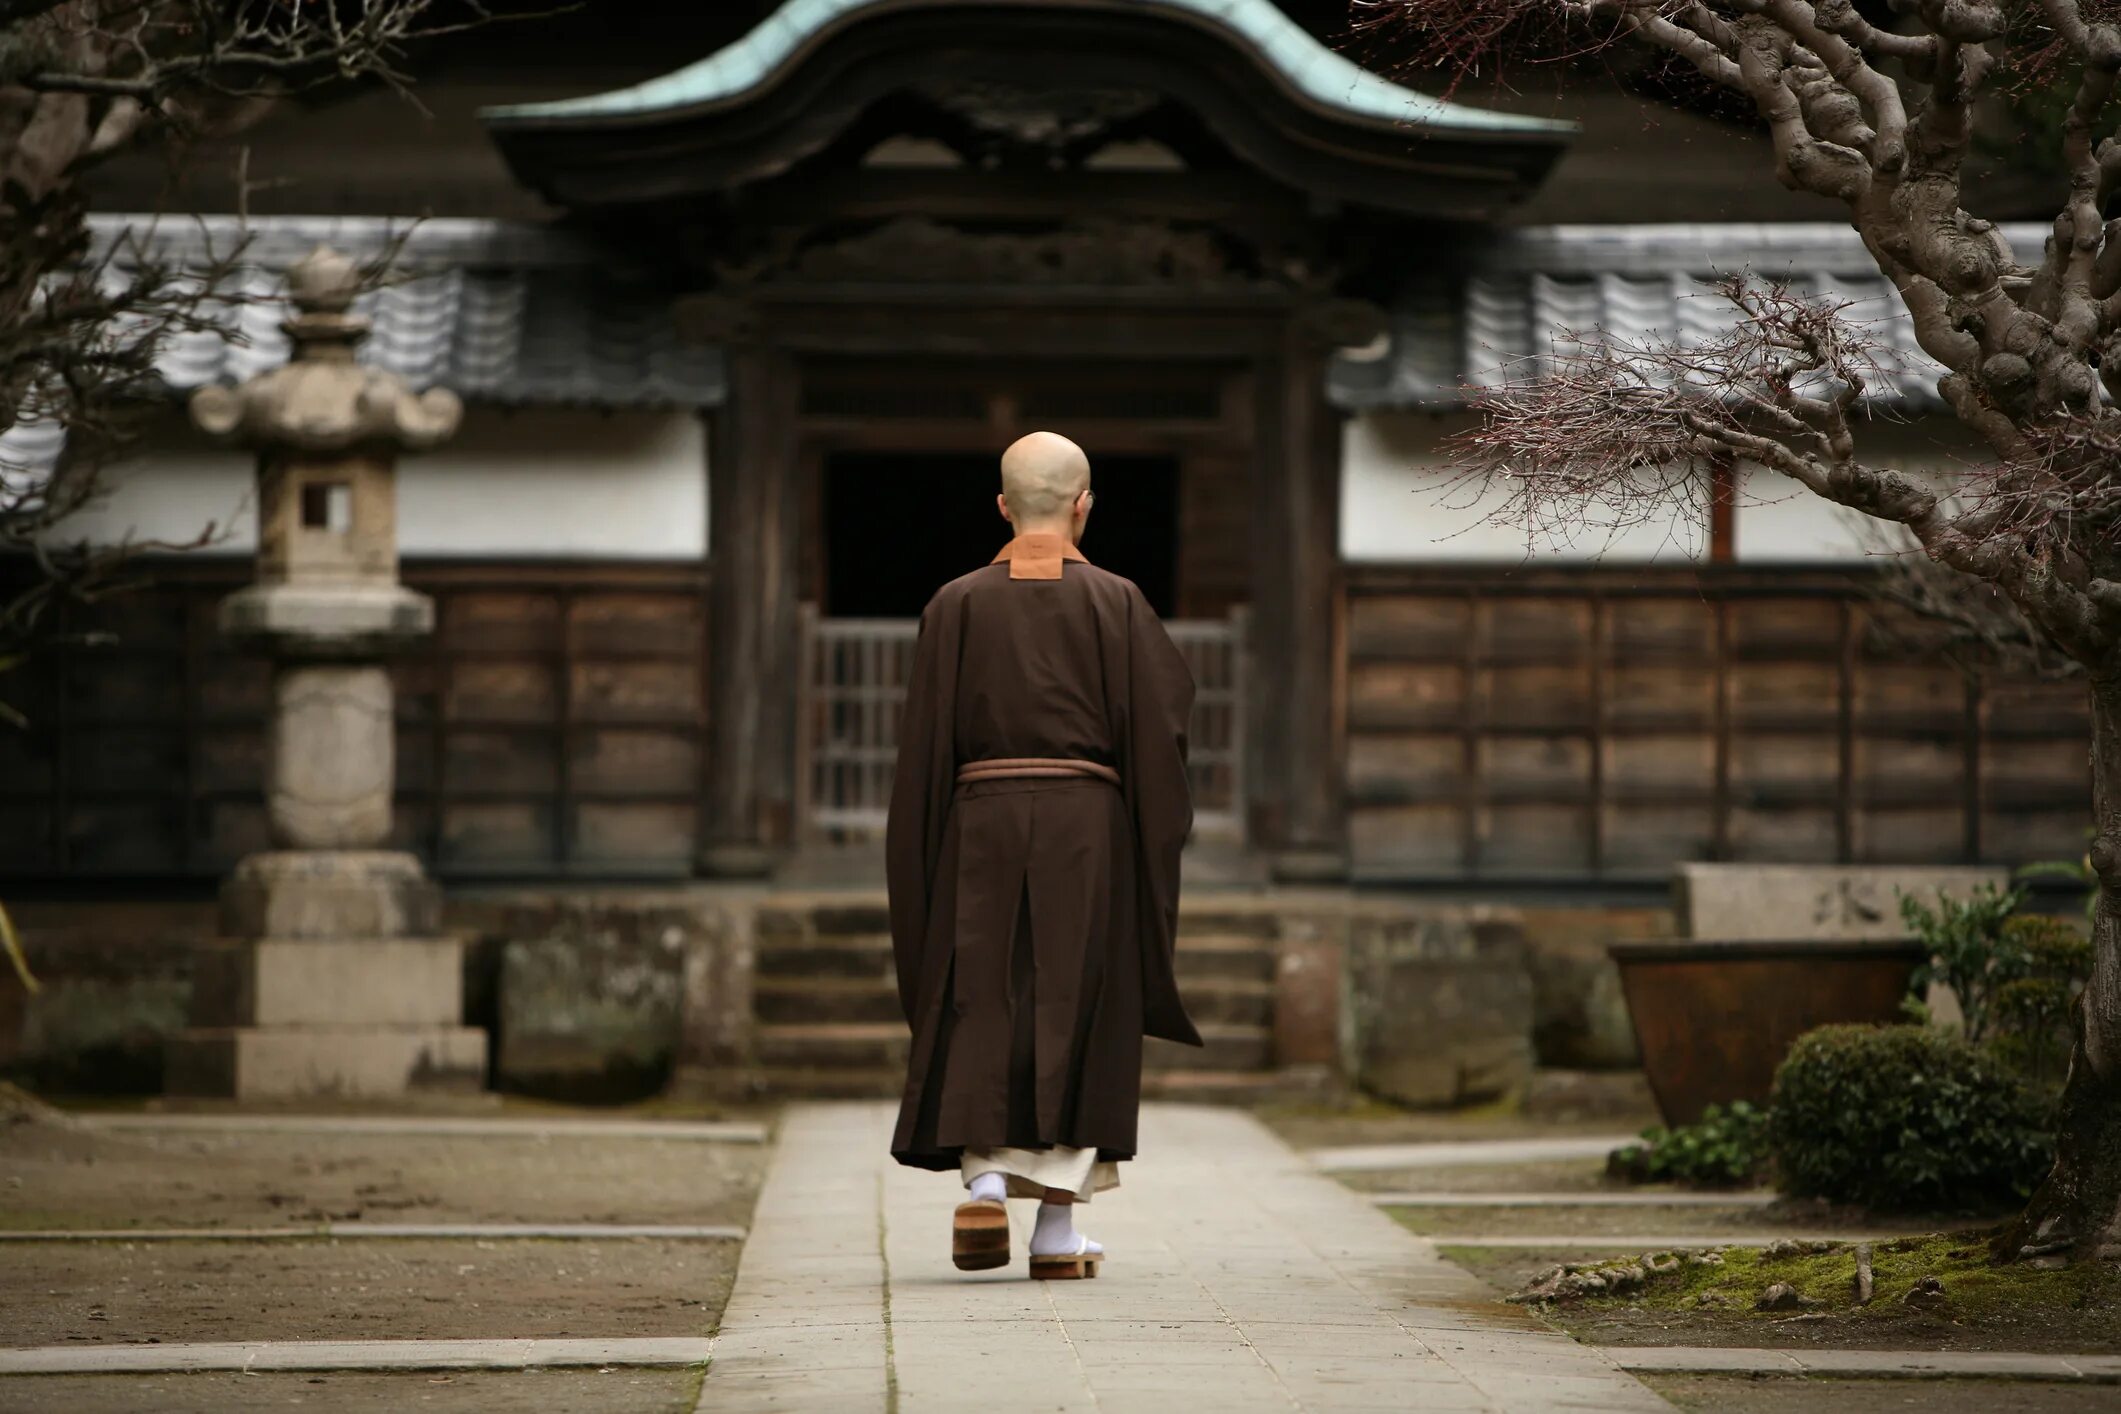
[{"x": 330, "y": 977}]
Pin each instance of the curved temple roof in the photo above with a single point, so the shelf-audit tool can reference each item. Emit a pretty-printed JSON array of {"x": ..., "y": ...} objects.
[{"x": 1307, "y": 66}]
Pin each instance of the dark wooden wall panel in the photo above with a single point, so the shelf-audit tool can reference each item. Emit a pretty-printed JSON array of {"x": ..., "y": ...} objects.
[
  {"x": 1606, "y": 723},
  {"x": 552, "y": 725}
]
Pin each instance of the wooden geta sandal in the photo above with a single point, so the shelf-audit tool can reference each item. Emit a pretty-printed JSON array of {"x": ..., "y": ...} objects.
[
  {"x": 1081, "y": 1264},
  {"x": 979, "y": 1235}
]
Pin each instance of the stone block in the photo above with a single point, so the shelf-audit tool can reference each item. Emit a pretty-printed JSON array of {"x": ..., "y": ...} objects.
[
  {"x": 330, "y": 895},
  {"x": 312, "y": 982},
  {"x": 1308, "y": 979},
  {"x": 1803, "y": 902},
  {"x": 591, "y": 993},
  {"x": 1441, "y": 1005},
  {"x": 1580, "y": 1016},
  {"x": 116, "y": 982},
  {"x": 333, "y": 754},
  {"x": 260, "y": 1063},
  {"x": 330, "y": 620}
]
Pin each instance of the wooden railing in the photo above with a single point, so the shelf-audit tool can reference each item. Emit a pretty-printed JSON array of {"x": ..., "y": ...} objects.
[{"x": 853, "y": 686}]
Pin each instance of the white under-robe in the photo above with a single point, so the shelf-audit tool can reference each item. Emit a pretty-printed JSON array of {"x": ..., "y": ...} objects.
[{"x": 1031, "y": 1172}]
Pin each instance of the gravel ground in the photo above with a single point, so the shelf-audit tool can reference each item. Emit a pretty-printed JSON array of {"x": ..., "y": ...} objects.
[{"x": 532, "y": 1392}]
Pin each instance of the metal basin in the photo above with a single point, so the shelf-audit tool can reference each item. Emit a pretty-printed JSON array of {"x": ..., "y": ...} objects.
[{"x": 1714, "y": 1019}]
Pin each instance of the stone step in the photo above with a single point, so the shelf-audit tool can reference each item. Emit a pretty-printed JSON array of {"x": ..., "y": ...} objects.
[
  {"x": 793, "y": 1000},
  {"x": 858, "y": 1044},
  {"x": 869, "y": 955},
  {"x": 832, "y": 1044},
  {"x": 796, "y": 1000},
  {"x": 1223, "y": 1048},
  {"x": 1222, "y": 956},
  {"x": 1288, "y": 1085},
  {"x": 864, "y": 956}
]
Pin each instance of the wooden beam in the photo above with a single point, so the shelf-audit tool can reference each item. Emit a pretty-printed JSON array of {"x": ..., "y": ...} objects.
[
  {"x": 1300, "y": 795},
  {"x": 755, "y": 499}
]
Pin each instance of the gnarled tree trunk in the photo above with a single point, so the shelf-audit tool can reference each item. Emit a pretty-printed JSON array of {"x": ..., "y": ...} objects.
[{"x": 2078, "y": 1209}]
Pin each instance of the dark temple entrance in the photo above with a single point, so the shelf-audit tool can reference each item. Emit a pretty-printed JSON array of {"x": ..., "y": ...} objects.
[{"x": 897, "y": 525}]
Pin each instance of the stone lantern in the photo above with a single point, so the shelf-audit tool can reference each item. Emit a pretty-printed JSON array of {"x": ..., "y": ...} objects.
[{"x": 330, "y": 976}]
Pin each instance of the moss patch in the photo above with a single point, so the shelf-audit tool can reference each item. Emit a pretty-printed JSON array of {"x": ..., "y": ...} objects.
[{"x": 1981, "y": 1306}]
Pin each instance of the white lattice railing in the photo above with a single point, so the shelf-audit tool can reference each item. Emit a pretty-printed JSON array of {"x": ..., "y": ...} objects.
[{"x": 853, "y": 680}]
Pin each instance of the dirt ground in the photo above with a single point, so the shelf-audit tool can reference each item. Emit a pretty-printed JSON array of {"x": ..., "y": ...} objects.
[
  {"x": 1785, "y": 1395},
  {"x": 529, "y": 1392},
  {"x": 54, "y": 1177},
  {"x": 55, "y": 1173},
  {"x": 366, "y": 1289}
]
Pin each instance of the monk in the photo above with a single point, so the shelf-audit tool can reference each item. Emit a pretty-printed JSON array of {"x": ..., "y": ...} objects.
[{"x": 1037, "y": 814}]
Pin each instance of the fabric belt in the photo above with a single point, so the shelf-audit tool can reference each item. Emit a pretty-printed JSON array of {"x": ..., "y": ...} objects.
[{"x": 1009, "y": 768}]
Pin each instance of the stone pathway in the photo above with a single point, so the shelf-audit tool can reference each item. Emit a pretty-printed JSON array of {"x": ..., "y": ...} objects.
[{"x": 1241, "y": 1278}]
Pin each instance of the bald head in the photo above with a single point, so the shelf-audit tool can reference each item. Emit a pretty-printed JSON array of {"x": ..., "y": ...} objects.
[{"x": 1042, "y": 474}]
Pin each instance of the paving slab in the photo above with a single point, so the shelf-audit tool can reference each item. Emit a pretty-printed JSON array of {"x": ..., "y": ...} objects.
[
  {"x": 1461, "y": 1153},
  {"x": 1240, "y": 1278},
  {"x": 1869, "y": 1364}
]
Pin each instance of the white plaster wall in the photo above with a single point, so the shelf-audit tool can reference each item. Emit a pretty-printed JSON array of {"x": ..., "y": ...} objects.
[
  {"x": 540, "y": 483},
  {"x": 1779, "y": 522},
  {"x": 1401, "y": 501}
]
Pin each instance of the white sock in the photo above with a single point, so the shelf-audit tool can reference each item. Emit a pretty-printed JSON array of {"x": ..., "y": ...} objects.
[
  {"x": 1055, "y": 1233},
  {"x": 989, "y": 1188}
]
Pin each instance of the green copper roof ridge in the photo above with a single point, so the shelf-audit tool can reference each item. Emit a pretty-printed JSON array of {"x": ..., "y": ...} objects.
[{"x": 1307, "y": 65}]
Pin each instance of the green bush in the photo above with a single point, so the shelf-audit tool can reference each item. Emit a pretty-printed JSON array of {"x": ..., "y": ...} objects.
[
  {"x": 1725, "y": 1147},
  {"x": 1904, "y": 1117},
  {"x": 2017, "y": 976}
]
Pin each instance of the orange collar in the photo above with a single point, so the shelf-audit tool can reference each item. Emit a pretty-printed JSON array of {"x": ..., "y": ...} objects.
[{"x": 1038, "y": 555}]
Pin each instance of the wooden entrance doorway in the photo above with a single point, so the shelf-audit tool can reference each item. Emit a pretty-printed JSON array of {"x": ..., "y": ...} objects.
[
  {"x": 900, "y": 461},
  {"x": 899, "y": 470},
  {"x": 897, "y": 525}
]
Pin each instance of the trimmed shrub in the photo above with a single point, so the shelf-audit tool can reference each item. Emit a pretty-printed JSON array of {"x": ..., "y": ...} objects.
[
  {"x": 1904, "y": 1117},
  {"x": 1724, "y": 1148}
]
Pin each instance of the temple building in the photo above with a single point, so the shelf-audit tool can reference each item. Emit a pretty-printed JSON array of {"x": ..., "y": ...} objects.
[{"x": 740, "y": 332}]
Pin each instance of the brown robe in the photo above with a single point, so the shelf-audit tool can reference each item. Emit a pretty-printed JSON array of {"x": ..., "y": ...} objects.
[{"x": 1032, "y": 919}]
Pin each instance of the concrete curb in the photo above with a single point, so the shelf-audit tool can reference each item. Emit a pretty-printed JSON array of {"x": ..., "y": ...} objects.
[
  {"x": 709, "y": 1131},
  {"x": 261, "y": 1356},
  {"x": 1650, "y": 1242},
  {"x": 1867, "y": 1364},
  {"x": 1572, "y": 1200},
  {"x": 1374, "y": 1158},
  {"x": 569, "y": 1232}
]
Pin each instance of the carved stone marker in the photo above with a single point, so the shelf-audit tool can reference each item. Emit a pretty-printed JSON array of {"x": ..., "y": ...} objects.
[
  {"x": 329, "y": 977},
  {"x": 1795, "y": 902}
]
